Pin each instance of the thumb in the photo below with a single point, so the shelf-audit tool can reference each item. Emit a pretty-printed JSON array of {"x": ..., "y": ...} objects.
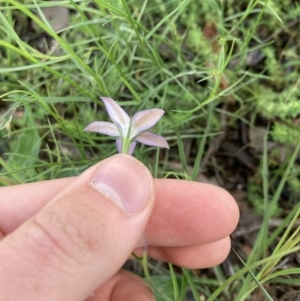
[{"x": 82, "y": 237}]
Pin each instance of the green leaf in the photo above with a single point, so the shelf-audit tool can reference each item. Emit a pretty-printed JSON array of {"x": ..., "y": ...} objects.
[{"x": 28, "y": 147}]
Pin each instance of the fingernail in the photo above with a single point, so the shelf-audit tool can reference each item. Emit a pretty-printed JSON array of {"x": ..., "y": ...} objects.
[{"x": 125, "y": 181}]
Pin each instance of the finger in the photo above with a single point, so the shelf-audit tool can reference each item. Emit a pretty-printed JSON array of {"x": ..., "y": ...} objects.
[
  {"x": 195, "y": 257},
  {"x": 185, "y": 213},
  {"x": 123, "y": 286},
  {"x": 190, "y": 213},
  {"x": 82, "y": 237},
  {"x": 18, "y": 203}
]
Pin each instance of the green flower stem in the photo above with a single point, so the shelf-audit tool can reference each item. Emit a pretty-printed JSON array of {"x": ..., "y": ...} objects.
[
  {"x": 126, "y": 140},
  {"x": 125, "y": 146}
]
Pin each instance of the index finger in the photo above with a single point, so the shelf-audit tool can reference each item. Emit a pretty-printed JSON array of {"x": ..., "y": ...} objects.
[{"x": 185, "y": 213}]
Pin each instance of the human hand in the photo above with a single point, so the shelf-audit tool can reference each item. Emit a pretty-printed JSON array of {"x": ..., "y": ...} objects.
[{"x": 67, "y": 239}]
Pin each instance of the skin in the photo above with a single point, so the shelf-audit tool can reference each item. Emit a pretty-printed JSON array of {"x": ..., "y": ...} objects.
[{"x": 185, "y": 223}]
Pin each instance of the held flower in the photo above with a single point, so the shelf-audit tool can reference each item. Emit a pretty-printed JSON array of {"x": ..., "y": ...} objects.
[{"x": 128, "y": 130}]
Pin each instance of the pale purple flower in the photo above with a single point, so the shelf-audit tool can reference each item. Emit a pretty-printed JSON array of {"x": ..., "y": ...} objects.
[{"x": 128, "y": 130}]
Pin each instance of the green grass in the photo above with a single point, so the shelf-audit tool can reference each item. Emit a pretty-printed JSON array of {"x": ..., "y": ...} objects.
[{"x": 147, "y": 54}]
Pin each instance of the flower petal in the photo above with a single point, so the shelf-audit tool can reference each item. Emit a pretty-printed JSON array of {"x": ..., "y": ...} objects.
[
  {"x": 152, "y": 140},
  {"x": 119, "y": 117},
  {"x": 131, "y": 148},
  {"x": 144, "y": 120},
  {"x": 106, "y": 128},
  {"x": 119, "y": 144}
]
